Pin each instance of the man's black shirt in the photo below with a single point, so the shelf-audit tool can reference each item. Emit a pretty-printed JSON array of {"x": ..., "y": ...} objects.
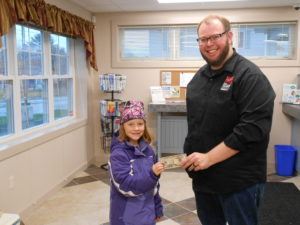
[{"x": 234, "y": 105}]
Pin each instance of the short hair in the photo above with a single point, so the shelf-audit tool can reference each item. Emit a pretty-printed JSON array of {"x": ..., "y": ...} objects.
[
  {"x": 146, "y": 136},
  {"x": 207, "y": 20}
]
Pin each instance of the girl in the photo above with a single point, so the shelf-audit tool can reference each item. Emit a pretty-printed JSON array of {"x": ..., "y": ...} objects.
[{"x": 134, "y": 171}]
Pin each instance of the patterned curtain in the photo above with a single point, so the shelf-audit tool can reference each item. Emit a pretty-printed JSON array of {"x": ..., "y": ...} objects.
[{"x": 48, "y": 17}]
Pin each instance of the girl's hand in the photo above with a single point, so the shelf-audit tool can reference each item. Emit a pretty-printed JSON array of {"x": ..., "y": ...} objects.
[
  {"x": 158, "y": 219},
  {"x": 158, "y": 168}
]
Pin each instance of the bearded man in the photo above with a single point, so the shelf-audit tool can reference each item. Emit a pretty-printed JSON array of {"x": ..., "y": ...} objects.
[{"x": 229, "y": 113}]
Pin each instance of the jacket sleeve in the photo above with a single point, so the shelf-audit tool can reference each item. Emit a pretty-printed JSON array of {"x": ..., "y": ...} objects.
[
  {"x": 157, "y": 198},
  {"x": 255, "y": 102},
  {"x": 158, "y": 202},
  {"x": 126, "y": 181}
]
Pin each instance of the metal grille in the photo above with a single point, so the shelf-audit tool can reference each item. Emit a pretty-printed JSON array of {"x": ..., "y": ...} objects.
[{"x": 173, "y": 133}]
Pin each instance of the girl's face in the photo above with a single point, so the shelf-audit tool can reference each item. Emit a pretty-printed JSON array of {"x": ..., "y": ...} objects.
[{"x": 134, "y": 129}]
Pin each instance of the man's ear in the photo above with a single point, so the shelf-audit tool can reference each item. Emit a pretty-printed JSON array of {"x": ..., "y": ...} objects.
[{"x": 230, "y": 35}]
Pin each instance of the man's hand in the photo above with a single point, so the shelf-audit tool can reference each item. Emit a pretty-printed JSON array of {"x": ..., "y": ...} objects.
[
  {"x": 201, "y": 161},
  {"x": 196, "y": 161}
]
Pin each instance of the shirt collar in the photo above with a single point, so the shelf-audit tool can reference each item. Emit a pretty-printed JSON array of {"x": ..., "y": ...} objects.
[{"x": 138, "y": 150}]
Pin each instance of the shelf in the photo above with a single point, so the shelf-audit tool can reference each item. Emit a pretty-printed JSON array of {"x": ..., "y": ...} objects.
[
  {"x": 107, "y": 91},
  {"x": 109, "y": 116},
  {"x": 167, "y": 107},
  {"x": 291, "y": 110},
  {"x": 109, "y": 123}
]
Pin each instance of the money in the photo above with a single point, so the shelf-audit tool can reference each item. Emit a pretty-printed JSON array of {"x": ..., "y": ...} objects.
[{"x": 172, "y": 161}]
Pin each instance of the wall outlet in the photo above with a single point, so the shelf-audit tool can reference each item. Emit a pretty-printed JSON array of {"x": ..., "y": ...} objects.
[{"x": 11, "y": 182}]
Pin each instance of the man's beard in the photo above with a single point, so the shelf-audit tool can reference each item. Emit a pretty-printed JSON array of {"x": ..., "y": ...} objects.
[{"x": 220, "y": 60}]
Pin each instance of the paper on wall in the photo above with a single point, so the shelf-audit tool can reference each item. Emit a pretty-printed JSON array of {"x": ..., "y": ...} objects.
[
  {"x": 297, "y": 97},
  {"x": 166, "y": 78},
  {"x": 185, "y": 78},
  {"x": 157, "y": 94},
  {"x": 289, "y": 93},
  {"x": 171, "y": 91}
]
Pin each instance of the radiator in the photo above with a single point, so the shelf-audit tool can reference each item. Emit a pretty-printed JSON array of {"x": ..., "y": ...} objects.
[{"x": 173, "y": 133}]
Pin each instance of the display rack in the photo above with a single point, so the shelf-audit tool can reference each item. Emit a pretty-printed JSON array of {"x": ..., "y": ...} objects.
[
  {"x": 109, "y": 108},
  {"x": 110, "y": 119}
]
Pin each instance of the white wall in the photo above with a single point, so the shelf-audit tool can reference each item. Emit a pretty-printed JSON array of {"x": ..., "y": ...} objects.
[
  {"x": 141, "y": 77},
  {"x": 37, "y": 164},
  {"x": 35, "y": 172},
  {"x": 71, "y": 8}
]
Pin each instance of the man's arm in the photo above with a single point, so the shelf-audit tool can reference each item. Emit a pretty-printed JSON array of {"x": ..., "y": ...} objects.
[{"x": 201, "y": 161}]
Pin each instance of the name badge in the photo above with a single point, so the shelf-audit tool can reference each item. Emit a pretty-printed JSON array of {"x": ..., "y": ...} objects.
[{"x": 227, "y": 83}]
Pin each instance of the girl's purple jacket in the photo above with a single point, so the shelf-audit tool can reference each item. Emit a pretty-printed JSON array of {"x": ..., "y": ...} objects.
[{"x": 134, "y": 197}]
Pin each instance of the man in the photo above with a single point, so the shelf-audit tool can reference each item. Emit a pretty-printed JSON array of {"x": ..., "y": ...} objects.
[{"x": 229, "y": 112}]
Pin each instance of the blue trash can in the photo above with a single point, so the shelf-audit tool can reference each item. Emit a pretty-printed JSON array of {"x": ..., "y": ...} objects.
[{"x": 285, "y": 157}]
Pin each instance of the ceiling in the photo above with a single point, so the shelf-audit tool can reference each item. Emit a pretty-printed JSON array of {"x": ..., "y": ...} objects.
[{"x": 101, "y": 6}]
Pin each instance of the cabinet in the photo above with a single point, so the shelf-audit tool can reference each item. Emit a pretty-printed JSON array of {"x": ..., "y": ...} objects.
[{"x": 109, "y": 108}]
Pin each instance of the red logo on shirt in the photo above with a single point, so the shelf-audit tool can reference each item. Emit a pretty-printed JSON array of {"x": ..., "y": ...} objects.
[
  {"x": 229, "y": 79},
  {"x": 227, "y": 83}
]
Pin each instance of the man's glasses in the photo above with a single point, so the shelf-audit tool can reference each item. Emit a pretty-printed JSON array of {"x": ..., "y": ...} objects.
[{"x": 215, "y": 37}]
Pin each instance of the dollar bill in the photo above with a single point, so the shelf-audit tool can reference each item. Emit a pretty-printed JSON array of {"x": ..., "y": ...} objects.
[{"x": 172, "y": 161}]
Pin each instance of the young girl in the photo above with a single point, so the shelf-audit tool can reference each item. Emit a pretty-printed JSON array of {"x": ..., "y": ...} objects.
[{"x": 134, "y": 171}]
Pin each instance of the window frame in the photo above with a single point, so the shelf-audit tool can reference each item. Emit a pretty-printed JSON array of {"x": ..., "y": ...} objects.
[
  {"x": 4, "y": 44},
  {"x": 117, "y": 62},
  {"x": 79, "y": 113}
]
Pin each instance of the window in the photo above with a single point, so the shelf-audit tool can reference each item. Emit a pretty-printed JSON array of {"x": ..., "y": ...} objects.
[
  {"x": 267, "y": 41},
  {"x": 63, "y": 85},
  {"x": 36, "y": 80},
  {"x": 3, "y": 58},
  {"x": 150, "y": 42},
  {"x": 159, "y": 43},
  {"x": 60, "y": 55},
  {"x": 29, "y": 51},
  {"x": 188, "y": 48},
  {"x": 34, "y": 102},
  {"x": 6, "y": 93},
  {"x": 6, "y": 108},
  {"x": 63, "y": 98}
]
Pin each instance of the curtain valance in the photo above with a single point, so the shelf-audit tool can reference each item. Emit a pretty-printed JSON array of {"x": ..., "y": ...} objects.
[{"x": 48, "y": 17}]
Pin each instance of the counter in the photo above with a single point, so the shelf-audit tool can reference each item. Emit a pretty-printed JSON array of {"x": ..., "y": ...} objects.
[
  {"x": 167, "y": 107},
  {"x": 291, "y": 110},
  {"x": 294, "y": 112}
]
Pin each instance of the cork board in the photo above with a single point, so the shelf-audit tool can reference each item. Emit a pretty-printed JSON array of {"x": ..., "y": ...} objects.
[{"x": 174, "y": 79}]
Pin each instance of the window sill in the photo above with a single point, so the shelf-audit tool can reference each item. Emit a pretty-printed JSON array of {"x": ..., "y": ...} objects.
[
  {"x": 18, "y": 145},
  {"x": 263, "y": 63}
]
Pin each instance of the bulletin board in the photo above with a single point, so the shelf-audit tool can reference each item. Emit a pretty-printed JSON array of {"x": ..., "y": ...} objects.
[{"x": 174, "y": 81}]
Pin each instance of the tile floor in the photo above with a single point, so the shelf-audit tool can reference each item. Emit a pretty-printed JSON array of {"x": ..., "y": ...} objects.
[{"x": 85, "y": 200}]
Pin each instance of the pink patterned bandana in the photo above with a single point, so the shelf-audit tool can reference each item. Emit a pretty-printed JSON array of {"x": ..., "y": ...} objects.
[{"x": 132, "y": 110}]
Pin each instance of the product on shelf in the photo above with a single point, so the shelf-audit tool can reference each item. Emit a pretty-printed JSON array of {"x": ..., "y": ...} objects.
[
  {"x": 112, "y": 82},
  {"x": 110, "y": 108}
]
